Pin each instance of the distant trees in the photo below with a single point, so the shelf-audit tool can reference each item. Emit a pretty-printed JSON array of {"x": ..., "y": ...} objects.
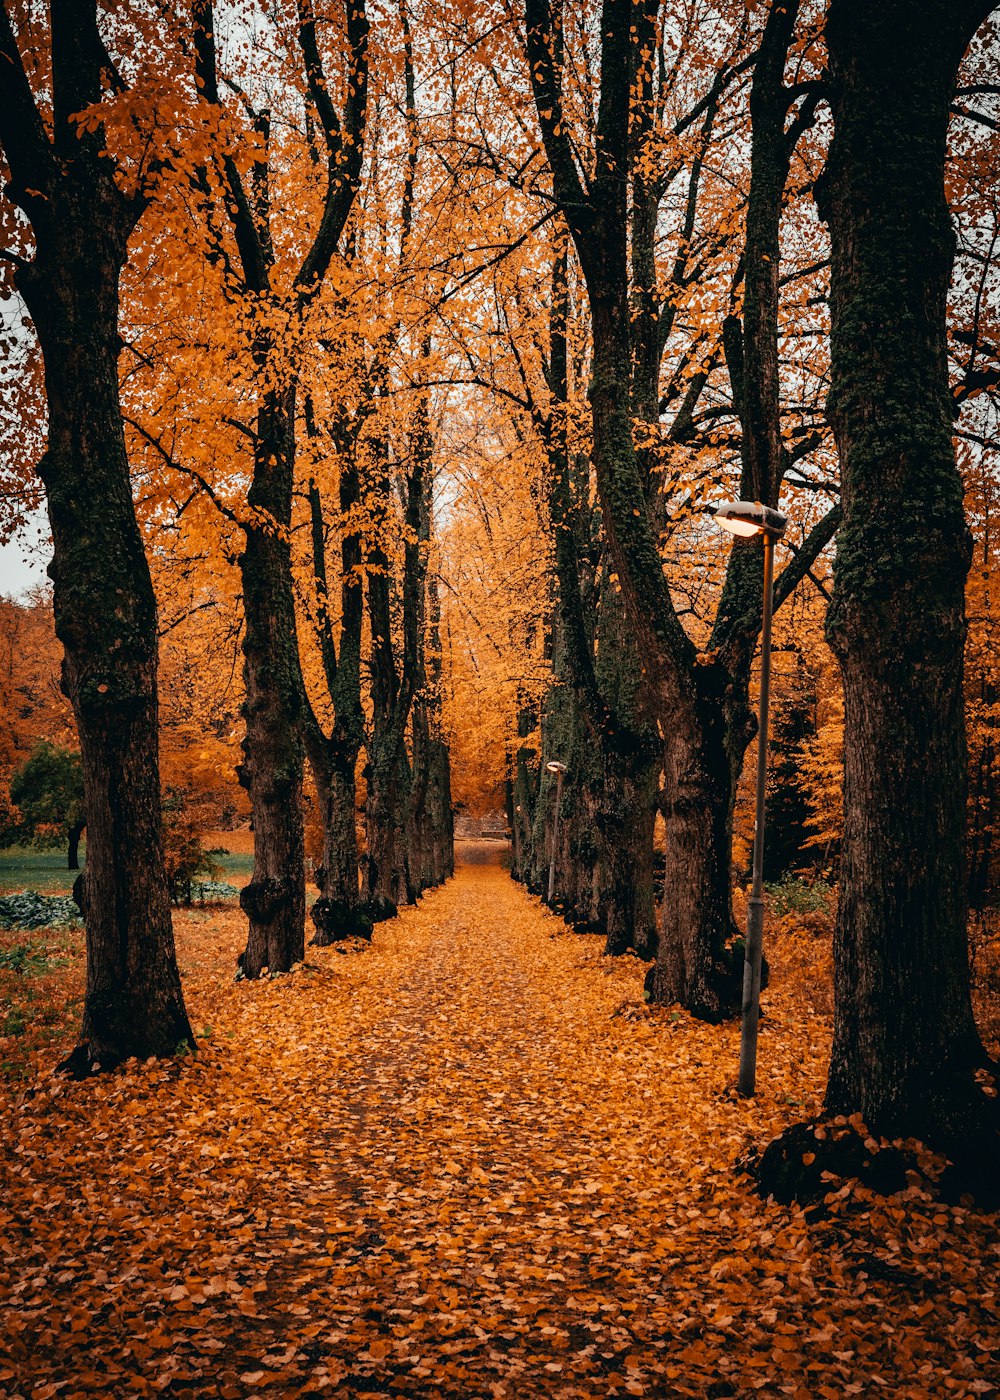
[{"x": 48, "y": 792}]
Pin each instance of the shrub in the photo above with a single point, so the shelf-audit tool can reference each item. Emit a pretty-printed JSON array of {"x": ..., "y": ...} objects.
[
  {"x": 184, "y": 855},
  {"x": 29, "y": 910},
  {"x": 794, "y": 896}
]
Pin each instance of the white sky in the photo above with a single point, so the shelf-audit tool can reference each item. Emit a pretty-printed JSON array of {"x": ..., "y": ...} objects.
[{"x": 24, "y": 558}]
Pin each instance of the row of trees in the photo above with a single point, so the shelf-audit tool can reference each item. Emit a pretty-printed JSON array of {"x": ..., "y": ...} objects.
[
  {"x": 646, "y": 369},
  {"x": 334, "y": 281},
  {"x": 202, "y": 346}
]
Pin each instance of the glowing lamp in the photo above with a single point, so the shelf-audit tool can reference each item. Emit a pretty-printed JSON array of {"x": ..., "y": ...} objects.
[{"x": 749, "y": 518}]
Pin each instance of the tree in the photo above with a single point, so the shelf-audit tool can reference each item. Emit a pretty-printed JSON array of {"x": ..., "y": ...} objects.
[
  {"x": 274, "y": 900},
  {"x": 48, "y": 790},
  {"x": 906, "y": 1049},
  {"x": 905, "y": 1045},
  {"x": 81, "y": 207},
  {"x": 698, "y": 693}
]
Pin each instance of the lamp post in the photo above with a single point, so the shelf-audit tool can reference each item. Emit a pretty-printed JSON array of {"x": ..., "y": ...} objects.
[
  {"x": 748, "y": 518},
  {"x": 553, "y": 766}
]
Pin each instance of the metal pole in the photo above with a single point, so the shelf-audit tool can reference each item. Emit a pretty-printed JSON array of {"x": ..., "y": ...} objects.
[
  {"x": 555, "y": 840},
  {"x": 755, "y": 911}
]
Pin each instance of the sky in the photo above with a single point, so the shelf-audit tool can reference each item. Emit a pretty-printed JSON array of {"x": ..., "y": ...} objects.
[{"x": 24, "y": 558}]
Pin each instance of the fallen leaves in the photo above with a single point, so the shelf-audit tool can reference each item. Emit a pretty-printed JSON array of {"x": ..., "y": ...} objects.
[{"x": 443, "y": 1167}]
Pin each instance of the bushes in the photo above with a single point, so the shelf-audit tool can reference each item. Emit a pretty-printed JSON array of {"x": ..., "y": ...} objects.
[
  {"x": 795, "y": 896},
  {"x": 30, "y": 910},
  {"x": 184, "y": 855}
]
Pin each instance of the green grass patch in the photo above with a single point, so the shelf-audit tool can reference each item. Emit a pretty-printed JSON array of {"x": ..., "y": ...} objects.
[{"x": 24, "y": 867}]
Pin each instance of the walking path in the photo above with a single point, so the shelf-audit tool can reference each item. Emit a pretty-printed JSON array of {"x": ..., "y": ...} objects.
[{"x": 465, "y": 1162}]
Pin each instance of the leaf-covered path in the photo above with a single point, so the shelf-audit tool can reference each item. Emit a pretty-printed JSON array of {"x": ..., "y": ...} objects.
[{"x": 465, "y": 1162}]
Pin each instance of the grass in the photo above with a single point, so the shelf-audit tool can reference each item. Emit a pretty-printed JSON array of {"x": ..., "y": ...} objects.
[{"x": 25, "y": 868}]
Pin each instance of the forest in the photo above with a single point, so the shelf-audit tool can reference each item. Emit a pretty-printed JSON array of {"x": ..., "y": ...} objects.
[{"x": 500, "y": 789}]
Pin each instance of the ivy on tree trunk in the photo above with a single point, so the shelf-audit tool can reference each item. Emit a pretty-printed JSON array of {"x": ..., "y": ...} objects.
[{"x": 905, "y": 1043}]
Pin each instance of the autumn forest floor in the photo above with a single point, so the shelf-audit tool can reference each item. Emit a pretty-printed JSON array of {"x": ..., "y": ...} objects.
[{"x": 464, "y": 1162}]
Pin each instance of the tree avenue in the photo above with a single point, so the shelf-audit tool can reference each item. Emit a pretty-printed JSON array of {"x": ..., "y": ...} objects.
[{"x": 396, "y": 355}]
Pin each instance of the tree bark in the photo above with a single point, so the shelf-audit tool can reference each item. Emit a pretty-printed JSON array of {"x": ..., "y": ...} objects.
[
  {"x": 905, "y": 1043},
  {"x": 73, "y": 854},
  {"x": 275, "y": 899},
  {"x": 337, "y": 912},
  {"x": 105, "y": 609},
  {"x": 698, "y": 964},
  {"x": 333, "y": 758},
  {"x": 388, "y": 881}
]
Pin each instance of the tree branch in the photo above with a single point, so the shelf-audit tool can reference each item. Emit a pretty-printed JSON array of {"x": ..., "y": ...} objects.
[{"x": 805, "y": 556}]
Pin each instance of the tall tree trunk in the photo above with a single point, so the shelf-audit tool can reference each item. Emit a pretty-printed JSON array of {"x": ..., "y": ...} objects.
[
  {"x": 337, "y": 913},
  {"x": 631, "y": 758},
  {"x": 442, "y": 822},
  {"x": 905, "y": 1044},
  {"x": 421, "y": 849},
  {"x": 73, "y": 854},
  {"x": 523, "y": 789},
  {"x": 388, "y": 881},
  {"x": 696, "y": 963},
  {"x": 105, "y": 609},
  {"x": 625, "y": 907},
  {"x": 275, "y": 899}
]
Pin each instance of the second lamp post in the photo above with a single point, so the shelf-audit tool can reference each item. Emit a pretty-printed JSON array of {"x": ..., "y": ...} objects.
[
  {"x": 748, "y": 518},
  {"x": 559, "y": 769}
]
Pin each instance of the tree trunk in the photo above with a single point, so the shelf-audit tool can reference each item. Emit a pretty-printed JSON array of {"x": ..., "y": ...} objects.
[
  {"x": 420, "y": 844},
  {"x": 105, "y": 609},
  {"x": 905, "y": 1044},
  {"x": 523, "y": 792},
  {"x": 274, "y": 900},
  {"x": 625, "y": 800},
  {"x": 442, "y": 824},
  {"x": 105, "y": 616},
  {"x": 699, "y": 965},
  {"x": 387, "y": 878},
  {"x": 73, "y": 854},
  {"x": 337, "y": 913},
  {"x": 626, "y": 816}
]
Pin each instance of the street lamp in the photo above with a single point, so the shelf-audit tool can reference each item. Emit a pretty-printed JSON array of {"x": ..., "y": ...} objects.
[
  {"x": 748, "y": 518},
  {"x": 554, "y": 766}
]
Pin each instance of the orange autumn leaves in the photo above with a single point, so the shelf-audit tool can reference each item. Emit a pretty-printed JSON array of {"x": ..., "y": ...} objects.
[{"x": 466, "y": 1161}]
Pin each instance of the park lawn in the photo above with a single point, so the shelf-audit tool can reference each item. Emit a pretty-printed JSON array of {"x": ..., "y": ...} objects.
[
  {"x": 43, "y": 971},
  {"x": 27, "y": 868}
]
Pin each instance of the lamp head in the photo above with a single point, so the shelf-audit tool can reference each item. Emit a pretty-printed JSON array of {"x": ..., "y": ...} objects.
[
  {"x": 749, "y": 518},
  {"x": 554, "y": 766}
]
